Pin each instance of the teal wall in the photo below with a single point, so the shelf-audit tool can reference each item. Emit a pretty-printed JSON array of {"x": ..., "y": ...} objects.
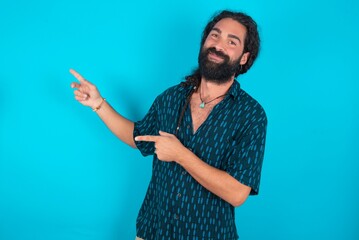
[{"x": 63, "y": 175}]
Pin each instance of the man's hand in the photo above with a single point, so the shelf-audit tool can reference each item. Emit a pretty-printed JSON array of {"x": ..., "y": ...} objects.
[
  {"x": 167, "y": 147},
  {"x": 86, "y": 93}
]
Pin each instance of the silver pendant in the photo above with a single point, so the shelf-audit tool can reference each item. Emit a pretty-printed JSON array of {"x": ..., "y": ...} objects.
[{"x": 201, "y": 105}]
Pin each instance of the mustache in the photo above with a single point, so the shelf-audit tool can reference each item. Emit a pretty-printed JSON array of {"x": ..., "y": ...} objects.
[{"x": 218, "y": 53}]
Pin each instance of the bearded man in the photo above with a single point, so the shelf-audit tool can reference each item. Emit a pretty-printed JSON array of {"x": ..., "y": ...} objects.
[{"x": 206, "y": 135}]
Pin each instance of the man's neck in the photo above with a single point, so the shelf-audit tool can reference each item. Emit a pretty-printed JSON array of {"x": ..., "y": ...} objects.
[{"x": 211, "y": 89}]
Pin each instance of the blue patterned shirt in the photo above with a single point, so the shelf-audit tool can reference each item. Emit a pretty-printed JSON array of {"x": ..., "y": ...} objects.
[{"x": 232, "y": 139}]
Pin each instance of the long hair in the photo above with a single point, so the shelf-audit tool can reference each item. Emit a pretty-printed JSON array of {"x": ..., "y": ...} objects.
[{"x": 251, "y": 42}]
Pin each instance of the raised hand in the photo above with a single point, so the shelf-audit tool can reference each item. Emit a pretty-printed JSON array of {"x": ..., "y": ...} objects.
[{"x": 86, "y": 93}]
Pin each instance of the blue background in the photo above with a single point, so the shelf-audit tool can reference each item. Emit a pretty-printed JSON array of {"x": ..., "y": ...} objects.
[{"x": 63, "y": 175}]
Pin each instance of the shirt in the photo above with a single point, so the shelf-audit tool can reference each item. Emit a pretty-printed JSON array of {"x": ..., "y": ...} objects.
[{"x": 232, "y": 139}]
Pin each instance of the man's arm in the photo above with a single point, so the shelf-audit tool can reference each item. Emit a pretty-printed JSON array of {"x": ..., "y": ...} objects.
[
  {"x": 120, "y": 126},
  {"x": 215, "y": 180},
  {"x": 88, "y": 95},
  {"x": 169, "y": 148}
]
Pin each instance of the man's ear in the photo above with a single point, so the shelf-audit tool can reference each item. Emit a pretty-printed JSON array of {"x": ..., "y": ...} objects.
[{"x": 244, "y": 58}]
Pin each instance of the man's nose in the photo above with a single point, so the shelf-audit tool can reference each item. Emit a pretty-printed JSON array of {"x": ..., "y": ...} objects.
[{"x": 220, "y": 45}]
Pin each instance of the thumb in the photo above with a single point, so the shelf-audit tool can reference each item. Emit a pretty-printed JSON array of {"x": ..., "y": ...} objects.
[{"x": 164, "y": 133}]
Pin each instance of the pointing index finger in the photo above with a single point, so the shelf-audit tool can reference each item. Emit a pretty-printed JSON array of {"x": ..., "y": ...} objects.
[
  {"x": 78, "y": 76},
  {"x": 147, "y": 138}
]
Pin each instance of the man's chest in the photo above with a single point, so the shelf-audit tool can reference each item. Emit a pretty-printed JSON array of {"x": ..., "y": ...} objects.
[{"x": 200, "y": 111}]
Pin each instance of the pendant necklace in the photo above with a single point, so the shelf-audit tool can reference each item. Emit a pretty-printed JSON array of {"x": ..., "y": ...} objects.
[{"x": 203, "y": 103}]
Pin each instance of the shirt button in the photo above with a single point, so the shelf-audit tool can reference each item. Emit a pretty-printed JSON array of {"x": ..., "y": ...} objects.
[
  {"x": 184, "y": 173},
  {"x": 176, "y": 217},
  {"x": 179, "y": 195}
]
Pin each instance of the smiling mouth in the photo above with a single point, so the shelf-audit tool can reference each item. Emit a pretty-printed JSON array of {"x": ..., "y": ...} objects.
[{"x": 214, "y": 57}]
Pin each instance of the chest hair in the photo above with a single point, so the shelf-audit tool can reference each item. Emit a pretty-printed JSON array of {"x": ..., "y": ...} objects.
[{"x": 199, "y": 115}]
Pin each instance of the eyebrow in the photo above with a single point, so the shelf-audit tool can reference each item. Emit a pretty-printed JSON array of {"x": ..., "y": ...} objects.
[{"x": 229, "y": 35}]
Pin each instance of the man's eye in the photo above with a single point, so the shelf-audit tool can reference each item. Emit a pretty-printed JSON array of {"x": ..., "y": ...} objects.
[
  {"x": 232, "y": 43},
  {"x": 214, "y": 35}
]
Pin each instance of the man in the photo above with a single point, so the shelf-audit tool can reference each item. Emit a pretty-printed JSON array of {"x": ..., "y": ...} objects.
[{"x": 206, "y": 136}]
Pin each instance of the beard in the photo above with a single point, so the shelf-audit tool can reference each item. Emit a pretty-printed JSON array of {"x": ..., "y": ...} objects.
[{"x": 217, "y": 72}]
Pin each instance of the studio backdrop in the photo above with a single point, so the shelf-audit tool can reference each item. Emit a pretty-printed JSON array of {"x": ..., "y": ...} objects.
[{"x": 63, "y": 175}]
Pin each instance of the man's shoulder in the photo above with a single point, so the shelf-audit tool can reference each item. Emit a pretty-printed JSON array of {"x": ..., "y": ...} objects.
[
  {"x": 251, "y": 105},
  {"x": 173, "y": 91}
]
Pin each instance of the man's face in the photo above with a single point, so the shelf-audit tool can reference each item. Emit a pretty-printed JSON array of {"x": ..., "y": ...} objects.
[{"x": 222, "y": 52}]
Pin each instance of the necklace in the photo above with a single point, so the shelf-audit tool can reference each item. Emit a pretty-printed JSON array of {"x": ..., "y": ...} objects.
[{"x": 202, "y": 105}]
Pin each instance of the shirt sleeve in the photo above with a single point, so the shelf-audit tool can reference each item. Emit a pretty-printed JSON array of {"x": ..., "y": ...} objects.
[
  {"x": 246, "y": 158},
  {"x": 147, "y": 126}
]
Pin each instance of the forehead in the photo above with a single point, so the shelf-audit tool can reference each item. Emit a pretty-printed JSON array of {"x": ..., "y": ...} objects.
[{"x": 230, "y": 26}]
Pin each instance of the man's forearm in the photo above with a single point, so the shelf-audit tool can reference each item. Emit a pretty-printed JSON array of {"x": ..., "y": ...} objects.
[
  {"x": 215, "y": 180},
  {"x": 120, "y": 126}
]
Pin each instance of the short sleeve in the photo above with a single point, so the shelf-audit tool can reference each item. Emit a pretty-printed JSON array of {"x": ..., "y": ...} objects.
[
  {"x": 246, "y": 157},
  {"x": 147, "y": 126}
]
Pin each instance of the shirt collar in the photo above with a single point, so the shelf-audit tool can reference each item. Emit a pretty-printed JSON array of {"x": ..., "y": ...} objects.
[{"x": 234, "y": 90}]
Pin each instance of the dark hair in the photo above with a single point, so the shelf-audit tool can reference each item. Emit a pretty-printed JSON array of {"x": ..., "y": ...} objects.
[{"x": 251, "y": 43}]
